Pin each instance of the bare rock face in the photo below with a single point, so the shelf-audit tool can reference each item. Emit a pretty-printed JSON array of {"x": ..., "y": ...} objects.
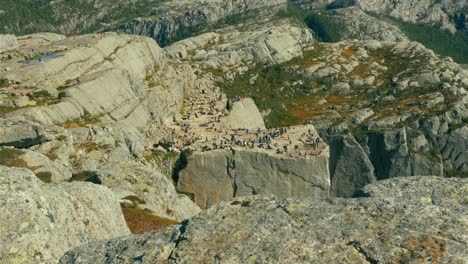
[
  {"x": 355, "y": 24},
  {"x": 244, "y": 114},
  {"x": 259, "y": 41},
  {"x": 179, "y": 19},
  {"x": 8, "y": 42},
  {"x": 39, "y": 222},
  {"x": 220, "y": 175},
  {"x": 442, "y": 13},
  {"x": 425, "y": 11},
  {"x": 20, "y": 133},
  {"x": 404, "y": 220}
]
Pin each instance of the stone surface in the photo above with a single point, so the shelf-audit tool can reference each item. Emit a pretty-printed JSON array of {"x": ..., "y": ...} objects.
[
  {"x": 39, "y": 222},
  {"x": 20, "y": 133},
  {"x": 221, "y": 175},
  {"x": 151, "y": 186},
  {"x": 244, "y": 115},
  {"x": 8, "y": 42},
  {"x": 176, "y": 19},
  {"x": 356, "y": 24},
  {"x": 413, "y": 219}
]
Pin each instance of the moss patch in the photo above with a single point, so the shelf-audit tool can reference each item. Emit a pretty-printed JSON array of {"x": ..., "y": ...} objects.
[{"x": 45, "y": 176}]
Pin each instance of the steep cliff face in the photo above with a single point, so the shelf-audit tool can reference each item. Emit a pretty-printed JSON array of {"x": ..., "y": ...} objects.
[
  {"x": 165, "y": 21},
  {"x": 176, "y": 20},
  {"x": 404, "y": 220},
  {"x": 450, "y": 14},
  {"x": 221, "y": 175}
]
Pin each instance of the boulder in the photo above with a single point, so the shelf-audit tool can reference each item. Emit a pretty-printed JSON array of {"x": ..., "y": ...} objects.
[
  {"x": 40, "y": 222},
  {"x": 220, "y": 175},
  {"x": 244, "y": 114}
]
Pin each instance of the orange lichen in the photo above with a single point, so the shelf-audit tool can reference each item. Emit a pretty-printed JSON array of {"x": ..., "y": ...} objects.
[
  {"x": 426, "y": 248},
  {"x": 141, "y": 221},
  {"x": 348, "y": 53}
]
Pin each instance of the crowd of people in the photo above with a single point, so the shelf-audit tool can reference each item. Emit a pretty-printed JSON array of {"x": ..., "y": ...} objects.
[{"x": 201, "y": 129}]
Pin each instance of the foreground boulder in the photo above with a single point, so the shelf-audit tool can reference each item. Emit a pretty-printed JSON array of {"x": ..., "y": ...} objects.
[
  {"x": 39, "y": 222},
  {"x": 401, "y": 220}
]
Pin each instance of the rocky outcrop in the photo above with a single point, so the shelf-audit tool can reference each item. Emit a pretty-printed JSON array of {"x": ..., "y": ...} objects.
[
  {"x": 444, "y": 13},
  {"x": 8, "y": 42},
  {"x": 425, "y": 11},
  {"x": 403, "y": 220},
  {"x": 221, "y": 175},
  {"x": 39, "y": 222},
  {"x": 391, "y": 156},
  {"x": 157, "y": 192},
  {"x": 244, "y": 114},
  {"x": 353, "y": 23},
  {"x": 121, "y": 78},
  {"x": 350, "y": 167},
  {"x": 175, "y": 20},
  {"x": 257, "y": 42}
]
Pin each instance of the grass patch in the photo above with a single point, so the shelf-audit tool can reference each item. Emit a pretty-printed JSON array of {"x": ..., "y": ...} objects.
[
  {"x": 87, "y": 119},
  {"x": 42, "y": 97},
  {"x": 88, "y": 147},
  {"x": 6, "y": 109},
  {"x": 141, "y": 221},
  {"x": 215, "y": 72},
  {"x": 271, "y": 90},
  {"x": 44, "y": 176},
  {"x": 4, "y": 83}
]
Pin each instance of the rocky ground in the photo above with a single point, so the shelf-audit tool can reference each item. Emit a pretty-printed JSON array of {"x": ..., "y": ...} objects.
[
  {"x": 409, "y": 220},
  {"x": 246, "y": 127}
]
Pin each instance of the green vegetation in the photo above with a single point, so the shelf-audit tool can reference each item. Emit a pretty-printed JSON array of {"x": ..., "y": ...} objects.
[
  {"x": 26, "y": 16},
  {"x": 42, "y": 97},
  {"x": 271, "y": 91},
  {"x": 83, "y": 121},
  {"x": 3, "y": 83},
  {"x": 455, "y": 174},
  {"x": 62, "y": 95},
  {"x": 433, "y": 37},
  {"x": 6, "y": 109},
  {"x": 158, "y": 155},
  {"x": 45, "y": 176}
]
